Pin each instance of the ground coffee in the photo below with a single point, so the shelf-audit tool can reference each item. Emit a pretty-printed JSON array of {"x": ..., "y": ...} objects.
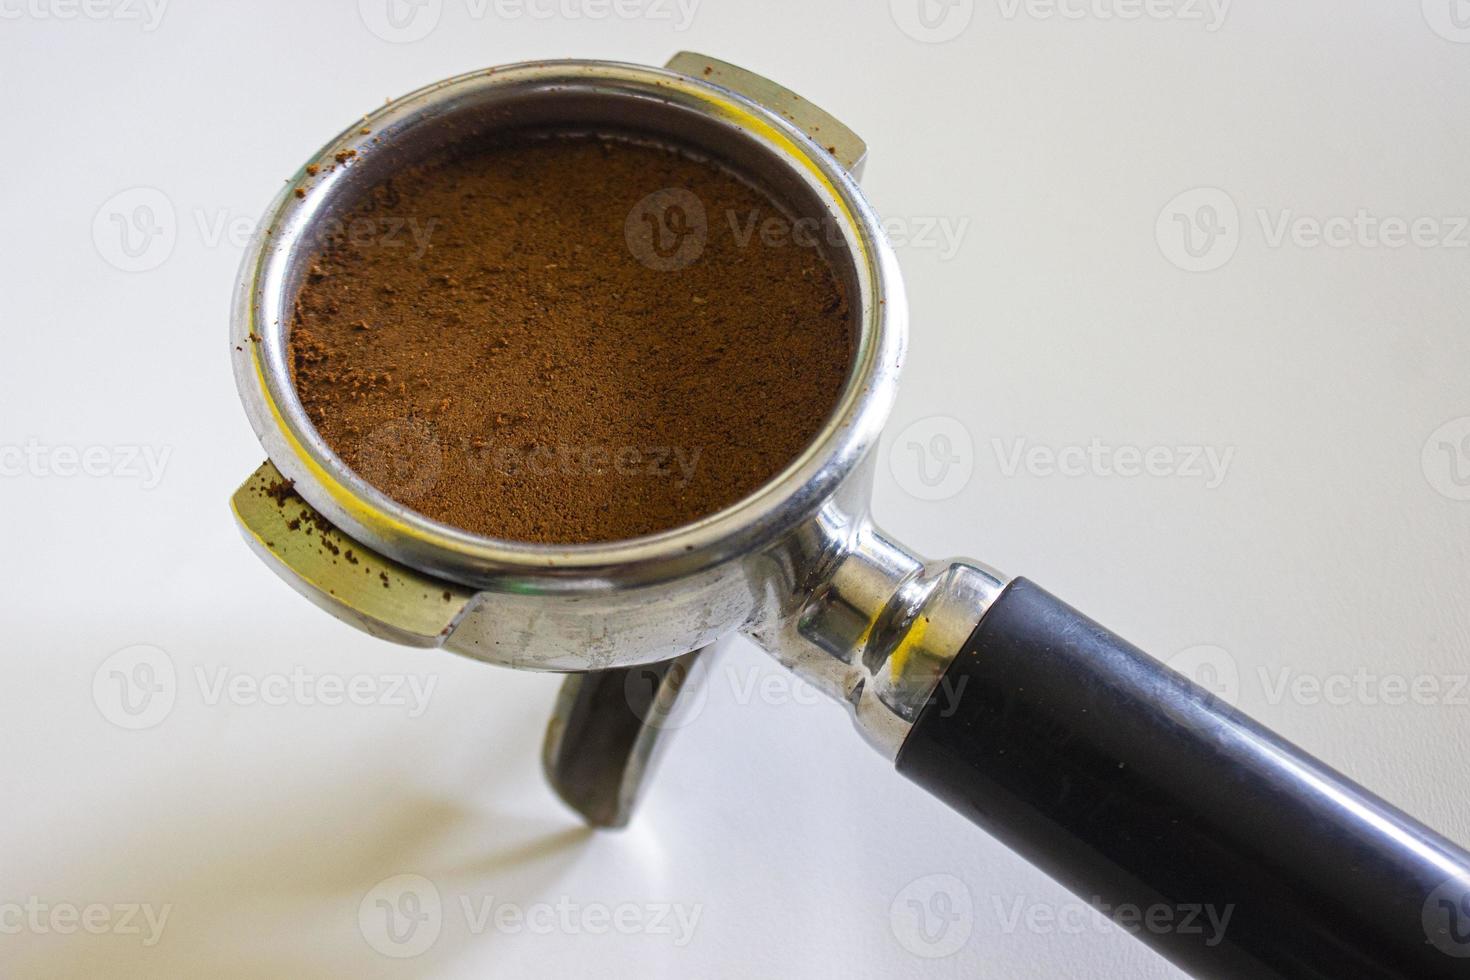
[{"x": 568, "y": 340}]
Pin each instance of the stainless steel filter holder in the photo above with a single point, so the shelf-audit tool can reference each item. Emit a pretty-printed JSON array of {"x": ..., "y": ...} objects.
[{"x": 1123, "y": 780}]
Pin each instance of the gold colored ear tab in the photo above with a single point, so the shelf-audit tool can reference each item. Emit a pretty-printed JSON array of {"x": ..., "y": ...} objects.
[{"x": 349, "y": 580}]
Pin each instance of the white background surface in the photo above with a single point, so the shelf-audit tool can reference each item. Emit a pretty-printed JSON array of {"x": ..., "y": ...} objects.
[{"x": 1335, "y": 549}]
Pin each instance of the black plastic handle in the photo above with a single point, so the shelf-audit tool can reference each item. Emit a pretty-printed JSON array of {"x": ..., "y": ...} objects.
[{"x": 1227, "y": 849}]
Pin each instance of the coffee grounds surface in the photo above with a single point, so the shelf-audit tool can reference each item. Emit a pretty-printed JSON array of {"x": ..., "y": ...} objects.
[{"x": 568, "y": 340}]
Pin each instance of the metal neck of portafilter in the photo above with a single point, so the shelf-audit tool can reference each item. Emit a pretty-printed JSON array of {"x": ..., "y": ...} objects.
[{"x": 880, "y": 628}]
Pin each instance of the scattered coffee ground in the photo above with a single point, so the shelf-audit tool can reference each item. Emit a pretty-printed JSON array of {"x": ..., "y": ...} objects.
[{"x": 521, "y": 342}]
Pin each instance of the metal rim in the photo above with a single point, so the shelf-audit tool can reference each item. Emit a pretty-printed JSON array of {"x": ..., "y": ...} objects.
[{"x": 323, "y": 479}]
